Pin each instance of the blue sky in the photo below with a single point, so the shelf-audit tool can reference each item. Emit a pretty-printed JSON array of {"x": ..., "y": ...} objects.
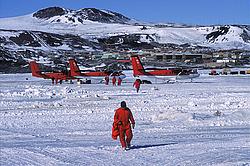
[{"x": 177, "y": 11}]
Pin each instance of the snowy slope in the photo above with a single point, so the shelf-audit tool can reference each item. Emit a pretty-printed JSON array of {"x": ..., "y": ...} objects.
[
  {"x": 70, "y": 124},
  {"x": 80, "y": 23}
]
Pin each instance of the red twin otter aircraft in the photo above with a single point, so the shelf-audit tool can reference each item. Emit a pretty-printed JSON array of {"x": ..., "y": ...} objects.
[
  {"x": 75, "y": 73},
  {"x": 157, "y": 75},
  {"x": 90, "y": 76},
  {"x": 54, "y": 76}
]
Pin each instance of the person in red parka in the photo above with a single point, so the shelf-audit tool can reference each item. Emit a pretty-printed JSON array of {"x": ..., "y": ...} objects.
[
  {"x": 137, "y": 84},
  {"x": 124, "y": 120},
  {"x": 114, "y": 81},
  {"x": 119, "y": 83},
  {"x": 106, "y": 80}
]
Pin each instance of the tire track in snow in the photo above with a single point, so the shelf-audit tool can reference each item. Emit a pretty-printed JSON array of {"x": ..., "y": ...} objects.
[
  {"x": 17, "y": 158},
  {"x": 213, "y": 156},
  {"x": 53, "y": 155}
]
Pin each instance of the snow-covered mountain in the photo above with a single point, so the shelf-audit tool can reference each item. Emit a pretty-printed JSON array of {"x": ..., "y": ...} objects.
[
  {"x": 61, "y": 15},
  {"x": 91, "y": 23},
  {"x": 57, "y": 29}
]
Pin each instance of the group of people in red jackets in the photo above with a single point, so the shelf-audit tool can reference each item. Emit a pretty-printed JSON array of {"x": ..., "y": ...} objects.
[
  {"x": 114, "y": 78},
  {"x": 119, "y": 82},
  {"x": 136, "y": 84}
]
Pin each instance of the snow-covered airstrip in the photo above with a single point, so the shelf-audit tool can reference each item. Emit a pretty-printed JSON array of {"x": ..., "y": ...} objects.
[{"x": 70, "y": 124}]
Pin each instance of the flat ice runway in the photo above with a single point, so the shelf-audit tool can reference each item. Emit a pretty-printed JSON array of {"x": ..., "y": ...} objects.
[{"x": 70, "y": 124}]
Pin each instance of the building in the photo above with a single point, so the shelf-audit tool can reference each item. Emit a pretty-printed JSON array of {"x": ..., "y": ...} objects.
[{"x": 181, "y": 57}]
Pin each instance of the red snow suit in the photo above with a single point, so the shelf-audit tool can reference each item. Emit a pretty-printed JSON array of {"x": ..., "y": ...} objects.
[
  {"x": 114, "y": 80},
  {"x": 119, "y": 81},
  {"x": 115, "y": 132},
  {"x": 106, "y": 80},
  {"x": 122, "y": 121},
  {"x": 137, "y": 84}
]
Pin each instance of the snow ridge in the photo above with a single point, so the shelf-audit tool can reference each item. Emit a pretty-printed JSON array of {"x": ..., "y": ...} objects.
[{"x": 91, "y": 23}]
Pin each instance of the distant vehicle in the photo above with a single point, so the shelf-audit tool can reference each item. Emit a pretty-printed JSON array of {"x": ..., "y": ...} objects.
[
  {"x": 229, "y": 72},
  {"x": 54, "y": 76},
  {"x": 92, "y": 76},
  {"x": 151, "y": 75}
]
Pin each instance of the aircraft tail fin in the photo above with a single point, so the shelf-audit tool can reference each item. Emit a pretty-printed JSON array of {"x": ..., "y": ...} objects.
[
  {"x": 74, "y": 68},
  {"x": 35, "y": 69},
  {"x": 138, "y": 68}
]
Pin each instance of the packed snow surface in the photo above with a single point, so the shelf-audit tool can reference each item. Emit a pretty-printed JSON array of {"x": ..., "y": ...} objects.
[{"x": 204, "y": 122}]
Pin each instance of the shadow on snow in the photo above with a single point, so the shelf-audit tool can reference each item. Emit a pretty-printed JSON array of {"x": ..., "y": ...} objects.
[{"x": 151, "y": 145}]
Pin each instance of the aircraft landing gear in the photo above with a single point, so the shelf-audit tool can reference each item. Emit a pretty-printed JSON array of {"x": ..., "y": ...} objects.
[{"x": 146, "y": 82}]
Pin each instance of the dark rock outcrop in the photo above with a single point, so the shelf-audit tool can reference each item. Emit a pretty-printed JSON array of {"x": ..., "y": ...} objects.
[
  {"x": 211, "y": 37},
  {"x": 25, "y": 39},
  {"x": 91, "y": 14},
  {"x": 102, "y": 16},
  {"x": 49, "y": 12},
  {"x": 127, "y": 41}
]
